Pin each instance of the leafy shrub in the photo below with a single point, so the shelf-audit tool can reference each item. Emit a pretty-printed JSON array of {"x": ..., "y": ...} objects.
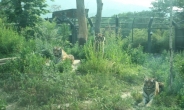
[
  {"x": 178, "y": 82},
  {"x": 78, "y": 51},
  {"x": 137, "y": 55},
  {"x": 165, "y": 99},
  {"x": 64, "y": 66},
  {"x": 2, "y": 105},
  {"x": 179, "y": 64},
  {"x": 28, "y": 33},
  {"x": 102, "y": 62},
  {"x": 27, "y": 63},
  {"x": 44, "y": 30},
  {"x": 47, "y": 31},
  {"x": 44, "y": 48},
  {"x": 159, "y": 40},
  {"x": 10, "y": 41},
  {"x": 114, "y": 51},
  {"x": 180, "y": 97},
  {"x": 93, "y": 62},
  {"x": 139, "y": 38},
  {"x": 64, "y": 31}
]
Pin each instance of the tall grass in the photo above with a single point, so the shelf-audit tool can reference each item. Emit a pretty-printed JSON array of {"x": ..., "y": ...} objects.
[{"x": 98, "y": 82}]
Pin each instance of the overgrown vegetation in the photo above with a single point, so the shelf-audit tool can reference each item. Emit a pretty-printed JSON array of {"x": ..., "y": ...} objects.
[{"x": 103, "y": 81}]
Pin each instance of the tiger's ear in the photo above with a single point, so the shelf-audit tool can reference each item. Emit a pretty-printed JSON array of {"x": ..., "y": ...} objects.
[
  {"x": 58, "y": 48},
  {"x": 154, "y": 78},
  {"x": 145, "y": 78}
]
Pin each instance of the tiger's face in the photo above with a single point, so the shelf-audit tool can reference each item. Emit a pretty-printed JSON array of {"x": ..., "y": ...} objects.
[
  {"x": 149, "y": 83},
  {"x": 99, "y": 37},
  {"x": 57, "y": 51}
]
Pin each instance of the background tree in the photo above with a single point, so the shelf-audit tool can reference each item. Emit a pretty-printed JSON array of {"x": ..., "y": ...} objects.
[
  {"x": 99, "y": 37},
  {"x": 23, "y": 12},
  {"x": 98, "y": 16},
  {"x": 162, "y": 7},
  {"x": 81, "y": 14}
]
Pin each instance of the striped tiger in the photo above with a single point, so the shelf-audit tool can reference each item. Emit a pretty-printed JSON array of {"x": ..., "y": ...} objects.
[
  {"x": 60, "y": 55},
  {"x": 99, "y": 42},
  {"x": 151, "y": 88}
]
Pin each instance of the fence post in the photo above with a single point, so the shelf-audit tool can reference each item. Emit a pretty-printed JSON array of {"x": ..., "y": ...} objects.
[
  {"x": 149, "y": 34},
  {"x": 117, "y": 25},
  {"x": 74, "y": 34},
  {"x": 91, "y": 26},
  {"x": 133, "y": 30},
  {"x": 175, "y": 30}
]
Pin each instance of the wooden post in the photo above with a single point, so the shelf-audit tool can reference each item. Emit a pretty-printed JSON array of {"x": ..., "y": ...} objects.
[
  {"x": 74, "y": 34},
  {"x": 117, "y": 25},
  {"x": 133, "y": 30},
  {"x": 81, "y": 15},
  {"x": 174, "y": 36},
  {"x": 91, "y": 26},
  {"x": 149, "y": 34},
  {"x": 171, "y": 49},
  {"x": 175, "y": 39}
]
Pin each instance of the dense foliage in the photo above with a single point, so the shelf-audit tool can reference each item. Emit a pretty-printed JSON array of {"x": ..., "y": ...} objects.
[
  {"x": 110, "y": 80},
  {"x": 23, "y": 12}
]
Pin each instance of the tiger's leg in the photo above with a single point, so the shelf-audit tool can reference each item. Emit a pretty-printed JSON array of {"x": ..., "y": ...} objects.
[
  {"x": 143, "y": 103},
  {"x": 145, "y": 98},
  {"x": 151, "y": 96},
  {"x": 149, "y": 103}
]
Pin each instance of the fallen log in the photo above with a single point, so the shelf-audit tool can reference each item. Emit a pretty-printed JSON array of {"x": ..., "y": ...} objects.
[
  {"x": 2, "y": 64},
  {"x": 4, "y": 60}
]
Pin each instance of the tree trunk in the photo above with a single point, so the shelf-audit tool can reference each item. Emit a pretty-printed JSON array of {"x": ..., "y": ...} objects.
[
  {"x": 83, "y": 32},
  {"x": 98, "y": 16},
  {"x": 99, "y": 37}
]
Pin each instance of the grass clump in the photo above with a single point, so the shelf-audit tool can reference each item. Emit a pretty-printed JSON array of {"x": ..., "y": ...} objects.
[{"x": 137, "y": 96}]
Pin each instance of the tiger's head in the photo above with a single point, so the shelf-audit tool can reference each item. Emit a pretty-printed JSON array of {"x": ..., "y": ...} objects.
[
  {"x": 99, "y": 37},
  {"x": 149, "y": 83},
  {"x": 57, "y": 51}
]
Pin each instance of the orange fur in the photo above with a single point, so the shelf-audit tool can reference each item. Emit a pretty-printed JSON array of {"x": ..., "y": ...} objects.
[
  {"x": 151, "y": 88},
  {"x": 61, "y": 54}
]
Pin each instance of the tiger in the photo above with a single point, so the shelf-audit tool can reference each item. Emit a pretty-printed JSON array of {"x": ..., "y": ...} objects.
[
  {"x": 61, "y": 55},
  {"x": 151, "y": 88},
  {"x": 99, "y": 42}
]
